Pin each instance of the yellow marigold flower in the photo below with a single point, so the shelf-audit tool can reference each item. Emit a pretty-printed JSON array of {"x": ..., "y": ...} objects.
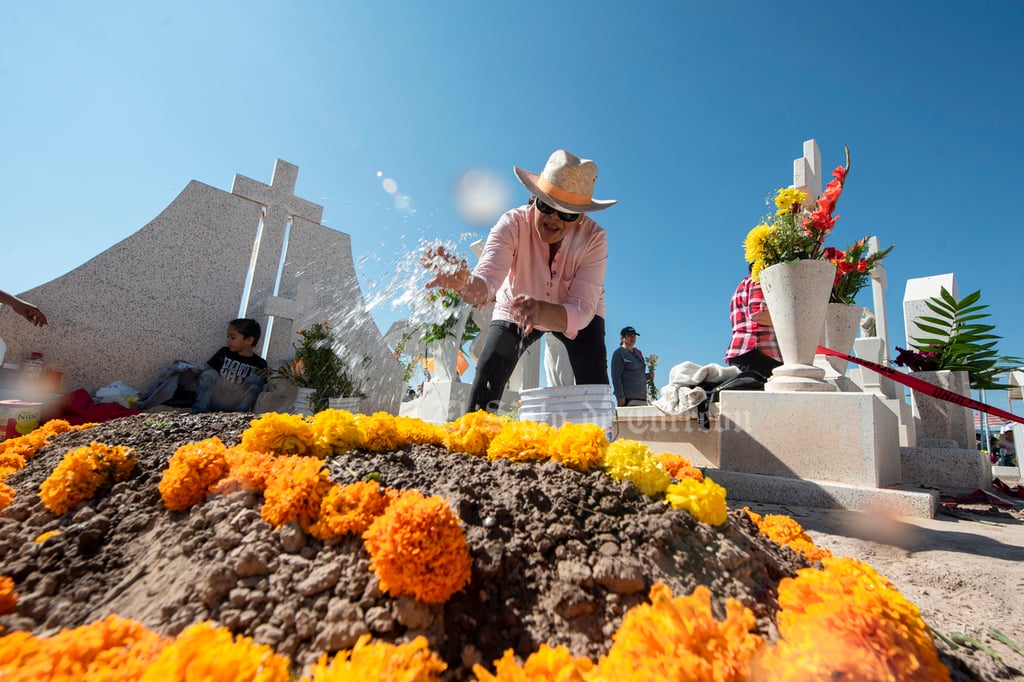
[
  {"x": 755, "y": 242},
  {"x": 8, "y": 598},
  {"x": 786, "y": 198},
  {"x": 337, "y": 431},
  {"x": 417, "y": 431},
  {"x": 522, "y": 442},
  {"x": 412, "y": 662},
  {"x": 473, "y": 432},
  {"x": 206, "y": 652},
  {"x": 675, "y": 465},
  {"x": 849, "y": 622},
  {"x": 6, "y": 495},
  {"x": 679, "y": 639},
  {"x": 785, "y": 531},
  {"x": 110, "y": 649},
  {"x": 43, "y": 537},
  {"x": 82, "y": 472},
  {"x": 56, "y": 427},
  {"x": 380, "y": 434},
  {"x": 418, "y": 547},
  {"x": 630, "y": 460},
  {"x": 579, "y": 446},
  {"x": 545, "y": 664},
  {"x": 282, "y": 434},
  {"x": 191, "y": 471},
  {"x": 350, "y": 509},
  {"x": 25, "y": 446},
  {"x": 705, "y": 500},
  {"x": 294, "y": 490},
  {"x": 246, "y": 471}
]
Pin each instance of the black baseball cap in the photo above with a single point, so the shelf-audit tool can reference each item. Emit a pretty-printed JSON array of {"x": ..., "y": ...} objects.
[{"x": 628, "y": 331}]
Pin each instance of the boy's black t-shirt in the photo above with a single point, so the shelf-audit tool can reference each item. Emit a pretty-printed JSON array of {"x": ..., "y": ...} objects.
[{"x": 235, "y": 368}]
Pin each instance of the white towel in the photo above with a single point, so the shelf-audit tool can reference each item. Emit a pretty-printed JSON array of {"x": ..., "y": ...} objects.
[
  {"x": 676, "y": 400},
  {"x": 691, "y": 374}
]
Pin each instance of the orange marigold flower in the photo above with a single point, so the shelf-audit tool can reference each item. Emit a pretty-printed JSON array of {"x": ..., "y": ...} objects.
[
  {"x": 11, "y": 461},
  {"x": 785, "y": 531},
  {"x": 191, "y": 471},
  {"x": 337, "y": 431},
  {"x": 294, "y": 491},
  {"x": 678, "y": 467},
  {"x": 206, "y": 652},
  {"x": 8, "y": 598},
  {"x": 849, "y": 622},
  {"x": 82, "y": 472},
  {"x": 25, "y": 446},
  {"x": 350, "y": 509},
  {"x": 282, "y": 434},
  {"x": 522, "y": 442},
  {"x": 110, "y": 649},
  {"x": 380, "y": 434},
  {"x": 418, "y": 547},
  {"x": 630, "y": 460},
  {"x": 545, "y": 664},
  {"x": 43, "y": 537},
  {"x": 579, "y": 446},
  {"x": 6, "y": 495},
  {"x": 419, "y": 432},
  {"x": 412, "y": 662},
  {"x": 472, "y": 433},
  {"x": 679, "y": 639},
  {"x": 705, "y": 500},
  {"x": 246, "y": 471}
]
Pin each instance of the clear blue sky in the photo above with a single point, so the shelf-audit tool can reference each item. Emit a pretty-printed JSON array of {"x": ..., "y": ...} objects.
[{"x": 693, "y": 112}]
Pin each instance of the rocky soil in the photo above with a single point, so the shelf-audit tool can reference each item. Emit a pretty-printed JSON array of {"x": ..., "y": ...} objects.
[{"x": 559, "y": 556}]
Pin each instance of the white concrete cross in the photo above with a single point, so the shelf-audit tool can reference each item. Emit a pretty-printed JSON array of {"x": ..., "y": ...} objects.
[
  {"x": 270, "y": 248},
  {"x": 807, "y": 172},
  {"x": 879, "y": 284}
]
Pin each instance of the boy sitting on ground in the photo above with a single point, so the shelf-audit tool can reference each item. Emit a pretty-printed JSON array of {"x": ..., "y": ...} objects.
[{"x": 236, "y": 373}]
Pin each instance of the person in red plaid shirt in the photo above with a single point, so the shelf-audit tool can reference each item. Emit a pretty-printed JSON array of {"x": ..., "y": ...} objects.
[{"x": 753, "y": 345}]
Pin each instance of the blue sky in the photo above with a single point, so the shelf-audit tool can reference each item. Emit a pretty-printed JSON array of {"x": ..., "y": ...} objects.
[{"x": 693, "y": 112}]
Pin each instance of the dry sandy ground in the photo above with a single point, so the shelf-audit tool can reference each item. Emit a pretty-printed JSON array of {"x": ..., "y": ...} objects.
[{"x": 964, "y": 569}]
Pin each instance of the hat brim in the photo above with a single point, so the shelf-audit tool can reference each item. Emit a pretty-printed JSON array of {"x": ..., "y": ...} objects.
[{"x": 529, "y": 181}]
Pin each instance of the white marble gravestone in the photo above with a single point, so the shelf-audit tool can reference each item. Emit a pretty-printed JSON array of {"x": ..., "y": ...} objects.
[{"x": 167, "y": 292}]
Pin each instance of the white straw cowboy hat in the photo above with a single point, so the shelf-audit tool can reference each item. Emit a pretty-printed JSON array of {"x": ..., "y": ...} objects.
[{"x": 567, "y": 183}]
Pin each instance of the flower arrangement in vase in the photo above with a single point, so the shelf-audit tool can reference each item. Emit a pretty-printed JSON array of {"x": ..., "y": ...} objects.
[
  {"x": 318, "y": 366},
  {"x": 853, "y": 269},
  {"x": 796, "y": 231}
]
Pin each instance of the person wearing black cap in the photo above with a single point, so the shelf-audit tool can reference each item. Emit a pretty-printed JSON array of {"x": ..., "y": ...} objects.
[{"x": 629, "y": 371}]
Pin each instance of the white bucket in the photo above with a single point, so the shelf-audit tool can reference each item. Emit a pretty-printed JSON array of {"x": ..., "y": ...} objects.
[{"x": 558, "y": 405}]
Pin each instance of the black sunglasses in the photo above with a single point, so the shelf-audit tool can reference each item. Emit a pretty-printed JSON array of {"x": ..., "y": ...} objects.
[{"x": 548, "y": 210}]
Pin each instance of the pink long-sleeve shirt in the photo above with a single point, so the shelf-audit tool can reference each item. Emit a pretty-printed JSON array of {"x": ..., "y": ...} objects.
[{"x": 515, "y": 261}]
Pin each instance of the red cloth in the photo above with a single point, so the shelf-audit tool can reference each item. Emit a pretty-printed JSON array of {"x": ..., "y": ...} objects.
[{"x": 78, "y": 407}]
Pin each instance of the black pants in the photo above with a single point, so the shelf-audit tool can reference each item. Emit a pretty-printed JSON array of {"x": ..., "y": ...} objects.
[
  {"x": 505, "y": 343},
  {"x": 755, "y": 360}
]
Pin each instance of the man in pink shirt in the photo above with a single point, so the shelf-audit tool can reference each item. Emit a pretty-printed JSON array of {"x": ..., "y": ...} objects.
[{"x": 543, "y": 266}]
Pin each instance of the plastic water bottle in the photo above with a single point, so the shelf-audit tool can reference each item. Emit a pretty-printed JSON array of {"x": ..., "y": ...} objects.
[{"x": 32, "y": 370}]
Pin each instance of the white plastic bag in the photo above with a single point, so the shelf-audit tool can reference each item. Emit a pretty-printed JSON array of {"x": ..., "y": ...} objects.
[{"x": 119, "y": 393}]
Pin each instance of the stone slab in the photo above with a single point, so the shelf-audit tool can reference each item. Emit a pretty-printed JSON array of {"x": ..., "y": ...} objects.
[
  {"x": 849, "y": 438},
  {"x": 676, "y": 434},
  {"x": 888, "y": 501},
  {"x": 946, "y": 468}
]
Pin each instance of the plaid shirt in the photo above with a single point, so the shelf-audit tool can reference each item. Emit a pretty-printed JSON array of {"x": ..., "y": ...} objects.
[{"x": 747, "y": 335}]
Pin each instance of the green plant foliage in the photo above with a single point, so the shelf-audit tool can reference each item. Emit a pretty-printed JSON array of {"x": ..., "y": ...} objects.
[
  {"x": 960, "y": 341},
  {"x": 317, "y": 365}
]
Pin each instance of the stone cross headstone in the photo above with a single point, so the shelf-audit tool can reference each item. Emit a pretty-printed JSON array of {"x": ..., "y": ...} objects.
[
  {"x": 917, "y": 292},
  {"x": 166, "y": 293},
  {"x": 879, "y": 284},
  {"x": 807, "y": 172}
]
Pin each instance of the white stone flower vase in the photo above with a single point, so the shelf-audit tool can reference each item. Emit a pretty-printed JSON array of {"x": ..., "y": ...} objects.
[
  {"x": 840, "y": 331},
  {"x": 797, "y": 298},
  {"x": 350, "y": 404},
  {"x": 301, "y": 404}
]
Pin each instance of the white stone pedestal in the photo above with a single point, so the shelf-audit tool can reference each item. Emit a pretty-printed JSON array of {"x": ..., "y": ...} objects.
[
  {"x": 940, "y": 423},
  {"x": 443, "y": 401},
  {"x": 949, "y": 469},
  {"x": 888, "y": 391},
  {"x": 849, "y": 438}
]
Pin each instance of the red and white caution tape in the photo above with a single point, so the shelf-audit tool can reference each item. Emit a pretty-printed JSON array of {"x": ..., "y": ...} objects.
[{"x": 915, "y": 384}]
